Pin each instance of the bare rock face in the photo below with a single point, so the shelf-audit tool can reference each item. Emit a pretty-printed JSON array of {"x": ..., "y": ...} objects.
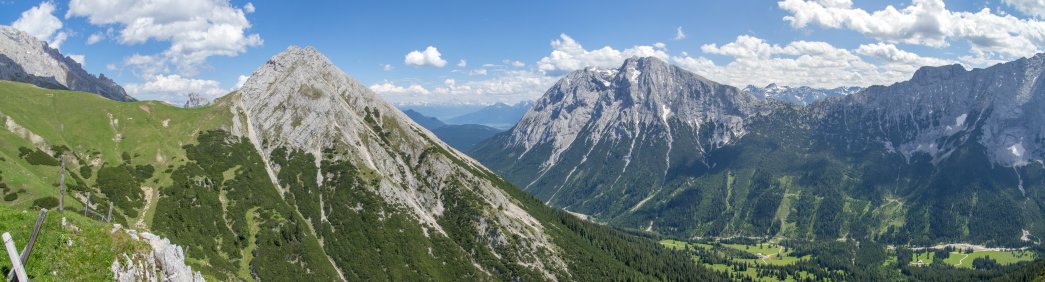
[
  {"x": 624, "y": 127},
  {"x": 26, "y": 59},
  {"x": 300, "y": 101},
  {"x": 163, "y": 262},
  {"x": 196, "y": 100},
  {"x": 1001, "y": 108}
]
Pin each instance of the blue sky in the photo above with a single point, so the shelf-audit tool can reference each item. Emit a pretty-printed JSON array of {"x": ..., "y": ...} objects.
[{"x": 514, "y": 50}]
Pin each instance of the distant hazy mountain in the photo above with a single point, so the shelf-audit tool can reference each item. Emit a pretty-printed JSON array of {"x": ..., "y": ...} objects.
[
  {"x": 802, "y": 95},
  {"x": 460, "y": 136},
  {"x": 442, "y": 112},
  {"x": 949, "y": 156},
  {"x": 498, "y": 115},
  {"x": 26, "y": 59},
  {"x": 425, "y": 121}
]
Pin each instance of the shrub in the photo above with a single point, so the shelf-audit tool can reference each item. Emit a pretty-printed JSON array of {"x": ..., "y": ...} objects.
[
  {"x": 46, "y": 202},
  {"x": 37, "y": 157},
  {"x": 11, "y": 197}
]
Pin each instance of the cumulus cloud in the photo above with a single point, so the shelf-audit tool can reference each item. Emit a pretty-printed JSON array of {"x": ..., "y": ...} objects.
[
  {"x": 429, "y": 57},
  {"x": 1034, "y": 8},
  {"x": 507, "y": 87},
  {"x": 249, "y": 8},
  {"x": 752, "y": 60},
  {"x": 95, "y": 38},
  {"x": 568, "y": 55},
  {"x": 195, "y": 29},
  {"x": 390, "y": 88},
  {"x": 242, "y": 79},
  {"x": 174, "y": 88},
  {"x": 926, "y": 22},
  {"x": 679, "y": 35},
  {"x": 40, "y": 22}
]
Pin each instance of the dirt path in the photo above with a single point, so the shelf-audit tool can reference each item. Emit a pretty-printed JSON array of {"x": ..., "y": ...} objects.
[
  {"x": 963, "y": 259},
  {"x": 778, "y": 251},
  {"x": 148, "y": 193}
]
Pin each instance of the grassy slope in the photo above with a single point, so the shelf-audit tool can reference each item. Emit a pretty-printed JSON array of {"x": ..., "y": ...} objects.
[
  {"x": 93, "y": 246},
  {"x": 152, "y": 132}
]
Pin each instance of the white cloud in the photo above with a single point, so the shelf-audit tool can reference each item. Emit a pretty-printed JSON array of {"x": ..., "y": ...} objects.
[
  {"x": 95, "y": 38},
  {"x": 924, "y": 22},
  {"x": 196, "y": 29},
  {"x": 242, "y": 79},
  {"x": 79, "y": 58},
  {"x": 174, "y": 88},
  {"x": 249, "y": 8},
  {"x": 889, "y": 53},
  {"x": 679, "y": 35},
  {"x": 462, "y": 63},
  {"x": 507, "y": 87},
  {"x": 40, "y": 22},
  {"x": 477, "y": 72},
  {"x": 810, "y": 63},
  {"x": 517, "y": 64},
  {"x": 569, "y": 55},
  {"x": 390, "y": 88},
  {"x": 146, "y": 66},
  {"x": 387, "y": 67},
  {"x": 429, "y": 57},
  {"x": 1035, "y": 8}
]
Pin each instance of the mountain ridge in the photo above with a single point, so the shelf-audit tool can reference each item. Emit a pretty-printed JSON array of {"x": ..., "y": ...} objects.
[
  {"x": 945, "y": 124},
  {"x": 27, "y": 59}
]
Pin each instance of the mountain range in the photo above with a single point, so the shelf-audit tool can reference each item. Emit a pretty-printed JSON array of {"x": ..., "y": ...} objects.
[
  {"x": 302, "y": 173},
  {"x": 802, "y": 95},
  {"x": 498, "y": 115},
  {"x": 949, "y": 156},
  {"x": 459, "y": 136}
]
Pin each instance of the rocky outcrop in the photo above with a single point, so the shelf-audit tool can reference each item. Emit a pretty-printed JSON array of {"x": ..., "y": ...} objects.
[
  {"x": 26, "y": 59},
  {"x": 162, "y": 262},
  {"x": 196, "y": 100}
]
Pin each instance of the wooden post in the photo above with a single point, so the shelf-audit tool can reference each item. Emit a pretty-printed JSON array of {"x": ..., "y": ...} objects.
[
  {"x": 109, "y": 217},
  {"x": 61, "y": 199},
  {"x": 16, "y": 261},
  {"x": 87, "y": 205},
  {"x": 28, "y": 249}
]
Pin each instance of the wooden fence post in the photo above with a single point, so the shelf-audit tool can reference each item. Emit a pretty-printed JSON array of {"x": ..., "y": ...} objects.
[
  {"x": 87, "y": 205},
  {"x": 16, "y": 261},
  {"x": 61, "y": 197},
  {"x": 28, "y": 249}
]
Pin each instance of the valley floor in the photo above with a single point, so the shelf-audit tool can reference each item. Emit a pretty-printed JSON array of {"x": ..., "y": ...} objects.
[{"x": 789, "y": 260}]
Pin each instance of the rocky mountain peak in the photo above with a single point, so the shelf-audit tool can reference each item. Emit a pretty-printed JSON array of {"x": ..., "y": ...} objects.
[
  {"x": 300, "y": 101},
  {"x": 26, "y": 59},
  {"x": 938, "y": 72},
  {"x": 196, "y": 100}
]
